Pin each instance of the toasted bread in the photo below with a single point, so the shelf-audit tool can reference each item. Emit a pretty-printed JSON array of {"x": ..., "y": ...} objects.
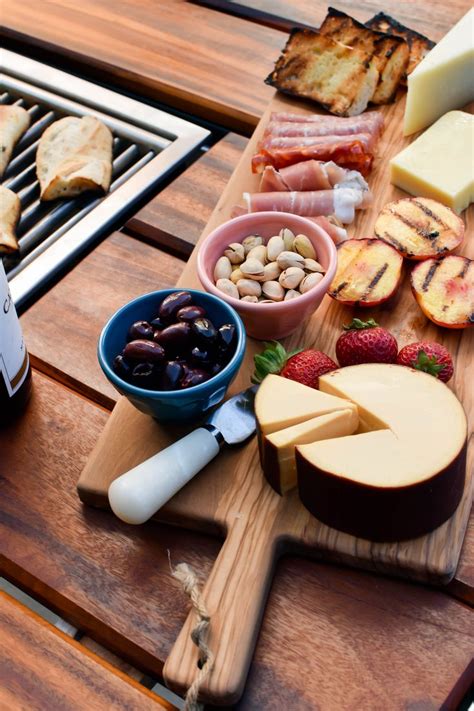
[
  {"x": 420, "y": 228},
  {"x": 14, "y": 121},
  {"x": 390, "y": 53},
  {"x": 418, "y": 44},
  {"x": 10, "y": 208},
  {"x": 314, "y": 66},
  {"x": 74, "y": 155}
]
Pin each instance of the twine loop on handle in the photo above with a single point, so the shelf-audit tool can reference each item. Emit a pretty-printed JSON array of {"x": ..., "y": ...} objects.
[{"x": 188, "y": 579}]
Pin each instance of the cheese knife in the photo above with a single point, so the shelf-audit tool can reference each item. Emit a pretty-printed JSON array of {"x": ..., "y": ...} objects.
[{"x": 139, "y": 493}]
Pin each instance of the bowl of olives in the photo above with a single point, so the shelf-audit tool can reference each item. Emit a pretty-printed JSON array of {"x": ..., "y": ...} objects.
[{"x": 173, "y": 353}]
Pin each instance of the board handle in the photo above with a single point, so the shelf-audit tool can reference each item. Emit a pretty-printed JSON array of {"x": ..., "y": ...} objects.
[{"x": 234, "y": 595}]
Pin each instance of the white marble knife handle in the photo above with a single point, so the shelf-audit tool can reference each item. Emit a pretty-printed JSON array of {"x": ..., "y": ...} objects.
[{"x": 139, "y": 493}]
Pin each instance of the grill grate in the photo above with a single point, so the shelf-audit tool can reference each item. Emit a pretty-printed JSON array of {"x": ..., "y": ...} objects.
[{"x": 50, "y": 234}]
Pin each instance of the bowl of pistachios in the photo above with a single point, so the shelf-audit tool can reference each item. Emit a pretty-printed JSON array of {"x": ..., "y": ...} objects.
[{"x": 274, "y": 268}]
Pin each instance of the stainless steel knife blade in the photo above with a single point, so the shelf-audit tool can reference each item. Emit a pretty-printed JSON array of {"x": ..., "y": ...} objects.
[{"x": 235, "y": 419}]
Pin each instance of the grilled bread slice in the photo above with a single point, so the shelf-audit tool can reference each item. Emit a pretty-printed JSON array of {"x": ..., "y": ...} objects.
[
  {"x": 315, "y": 66},
  {"x": 10, "y": 208},
  {"x": 420, "y": 228},
  {"x": 368, "y": 272},
  {"x": 389, "y": 53},
  {"x": 418, "y": 44},
  {"x": 14, "y": 120},
  {"x": 74, "y": 155},
  {"x": 444, "y": 290}
]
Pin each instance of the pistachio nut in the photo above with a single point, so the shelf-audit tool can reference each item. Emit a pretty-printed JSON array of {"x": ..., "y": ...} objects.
[
  {"x": 228, "y": 287},
  {"x": 252, "y": 269},
  {"x": 290, "y": 259},
  {"x": 223, "y": 269},
  {"x": 265, "y": 301},
  {"x": 304, "y": 246},
  {"x": 309, "y": 281},
  {"x": 236, "y": 275},
  {"x": 311, "y": 265},
  {"x": 235, "y": 253},
  {"x": 259, "y": 252},
  {"x": 288, "y": 238},
  {"x": 291, "y": 294},
  {"x": 249, "y": 287},
  {"x": 290, "y": 278},
  {"x": 273, "y": 291},
  {"x": 250, "y": 242},
  {"x": 275, "y": 246},
  {"x": 250, "y": 299},
  {"x": 271, "y": 271}
]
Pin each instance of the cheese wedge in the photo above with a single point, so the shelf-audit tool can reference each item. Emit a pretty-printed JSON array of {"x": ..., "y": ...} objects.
[
  {"x": 390, "y": 484},
  {"x": 279, "y": 464},
  {"x": 439, "y": 164},
  {"x": 281, "y": 403},
  {"x": 444, "y": 80}
]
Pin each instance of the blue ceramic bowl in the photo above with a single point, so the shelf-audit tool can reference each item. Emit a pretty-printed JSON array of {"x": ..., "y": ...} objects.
[{"x": 174, "y": 405}]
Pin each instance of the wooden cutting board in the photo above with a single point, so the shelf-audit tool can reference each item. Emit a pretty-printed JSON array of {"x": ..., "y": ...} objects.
[{"x": 231, "y": 495}]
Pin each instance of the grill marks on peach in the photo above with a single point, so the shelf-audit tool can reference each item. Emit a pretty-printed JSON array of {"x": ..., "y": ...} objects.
[
  {"x": 444, "y": 290},
  {"x": 368, "y": 272},
  {"x": 420, "y": 228}
]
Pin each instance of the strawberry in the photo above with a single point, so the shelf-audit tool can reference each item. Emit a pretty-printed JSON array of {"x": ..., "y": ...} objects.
[
  {"x": 365, "y": 342},
  {"x": 431, "y": 357},
  {"x": 304, "y": 366}
]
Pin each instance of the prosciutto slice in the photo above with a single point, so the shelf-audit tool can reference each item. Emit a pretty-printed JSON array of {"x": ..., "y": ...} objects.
[
  {"x": 308, "y": 175},
  {"x": 346, "y": 152},
  {"x": 340, "y": 202},
  {"x": 370, "y": 121},
  {"x": 270, "y": 142}
]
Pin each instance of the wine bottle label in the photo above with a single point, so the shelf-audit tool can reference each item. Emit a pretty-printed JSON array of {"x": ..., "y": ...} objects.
[{"x": 13, "y": 354}]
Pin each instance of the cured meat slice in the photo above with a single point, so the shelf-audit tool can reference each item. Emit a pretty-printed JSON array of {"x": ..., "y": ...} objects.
[
  {"x": 308, "y": 175},
  {"x": 340, "y": 202},
  {"x": 370, "y": 121},
  {"x": 347, "y": 153},
  {"x": 271, "y": 142}
]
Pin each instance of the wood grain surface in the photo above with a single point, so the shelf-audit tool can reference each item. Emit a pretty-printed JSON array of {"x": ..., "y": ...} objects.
[
  {"x": 63, "y": 326},
  {"x": 206, "y": 63},
  {"x": 231, "y": 491},
  {"x": 175, "y": 218},
  {"x": 40, "y": 668}
]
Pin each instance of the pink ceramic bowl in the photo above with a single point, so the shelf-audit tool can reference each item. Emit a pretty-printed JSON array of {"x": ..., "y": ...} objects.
[{"x": 268, "y": 321}]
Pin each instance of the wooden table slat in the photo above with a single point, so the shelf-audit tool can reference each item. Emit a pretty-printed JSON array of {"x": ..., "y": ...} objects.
[
  {"x": 40, "y": 667},
  {"x": 62, "y": 328}
]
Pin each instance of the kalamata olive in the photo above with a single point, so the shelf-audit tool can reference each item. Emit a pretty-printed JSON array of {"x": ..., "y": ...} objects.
[
  {"x": 172, "y": 303},
  {"x": 189, "y": 313},
  {"x": 144, "y": 375},
  {"x": 121, "y": 367},
  {"x": 215, "y": 368},
  {"x": 194, "y": 376},
  {"x": 226, "y": 336},
  {"x": 140, "y": 330},
  {"x": 157, "y": 324},
  {"x": 140, "y": 350},
  {"x": 175, "y": 339},
  {"x": 204, "y": 332},
  {"x": 156, "y": 336},
  {"x": 201, "y": 357},
  {"x": 170, "y": 376}
]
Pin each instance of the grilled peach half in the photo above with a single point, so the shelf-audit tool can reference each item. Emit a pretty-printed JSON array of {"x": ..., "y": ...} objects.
[
  {"x": 444, "y": 290},
  {"x": 420, "y": 228},
  {"x": 368, "y": 272}
]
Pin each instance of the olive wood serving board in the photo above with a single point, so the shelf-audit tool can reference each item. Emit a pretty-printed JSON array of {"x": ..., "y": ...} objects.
[{"x": 231, "y": 495}]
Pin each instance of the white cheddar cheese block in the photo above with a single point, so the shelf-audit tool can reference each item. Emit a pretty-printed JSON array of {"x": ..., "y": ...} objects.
[
  {"x": 439, "y": 164},
  {"x": 393, "y": 483},
  {"x": 281, "y": 403},
  {"x": 444, "y": 79},
  {"x": 279, "y": 464}
]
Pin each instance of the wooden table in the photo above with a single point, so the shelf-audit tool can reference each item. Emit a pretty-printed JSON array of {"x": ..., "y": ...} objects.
[{"x": 332, "y": 637}]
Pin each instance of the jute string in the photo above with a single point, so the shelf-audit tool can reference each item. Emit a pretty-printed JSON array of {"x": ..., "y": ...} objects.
[{"x": 188, "y": 579}]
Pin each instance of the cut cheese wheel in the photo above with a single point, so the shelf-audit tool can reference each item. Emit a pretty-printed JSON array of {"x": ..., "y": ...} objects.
[
  {"x": 394, "y": 483},
  {"x": 281, "y": 403},
  {"x": 278, "y": 462}
]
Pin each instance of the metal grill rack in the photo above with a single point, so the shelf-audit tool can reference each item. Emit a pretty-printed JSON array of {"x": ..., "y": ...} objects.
[{"x": 148, "y": 143}]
